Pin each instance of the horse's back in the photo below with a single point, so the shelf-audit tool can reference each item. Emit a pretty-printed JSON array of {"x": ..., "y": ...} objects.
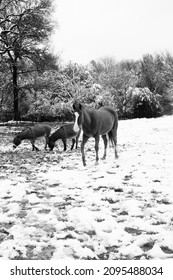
[
  {"x": 106, "y": 110},
  {"x": 100, "y": 120},
  {"x": 108, "y": 116}
]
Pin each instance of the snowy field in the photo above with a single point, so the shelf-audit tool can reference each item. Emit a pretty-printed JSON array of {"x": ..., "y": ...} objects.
[{"x": 54, "y": 208}]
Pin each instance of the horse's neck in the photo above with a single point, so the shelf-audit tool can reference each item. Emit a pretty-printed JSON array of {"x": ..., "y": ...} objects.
[{"x": 86, "y": 118}]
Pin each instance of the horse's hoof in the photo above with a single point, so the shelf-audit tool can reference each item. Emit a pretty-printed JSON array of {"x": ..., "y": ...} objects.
[{"x": 96, "y": 163}]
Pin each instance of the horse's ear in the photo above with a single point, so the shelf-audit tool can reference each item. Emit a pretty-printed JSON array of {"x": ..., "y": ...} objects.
[
  {"x": 75, "y": 105},
  {"x": 80, "y": 106}
]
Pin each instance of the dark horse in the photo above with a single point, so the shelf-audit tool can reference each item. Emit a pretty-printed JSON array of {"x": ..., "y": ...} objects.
[{"x": 95, "y": 123}]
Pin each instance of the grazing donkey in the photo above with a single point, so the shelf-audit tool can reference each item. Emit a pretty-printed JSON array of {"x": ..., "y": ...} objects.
[
  {"x": 32, "y": 133},
  {"x": 95, "y": 123},
  {"x": 64, "y": 132}
]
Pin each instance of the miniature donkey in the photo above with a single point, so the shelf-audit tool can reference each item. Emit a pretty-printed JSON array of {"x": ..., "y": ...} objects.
[
  {"x": 64, "y": 132},
  {"x": 32, "y": 133}
]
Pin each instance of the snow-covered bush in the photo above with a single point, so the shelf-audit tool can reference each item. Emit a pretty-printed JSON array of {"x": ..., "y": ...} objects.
[{"x": 141, "y": 102}]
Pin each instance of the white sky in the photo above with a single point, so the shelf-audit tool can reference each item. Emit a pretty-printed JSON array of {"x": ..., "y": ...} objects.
[{"x": 124, "y": 29}]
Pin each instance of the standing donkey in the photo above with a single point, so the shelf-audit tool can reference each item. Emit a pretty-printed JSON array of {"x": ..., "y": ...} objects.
[
  {"x": 95, "y": 123},
  {"x": 64, "y": 132},
  {"x": 32, "y": 133}
]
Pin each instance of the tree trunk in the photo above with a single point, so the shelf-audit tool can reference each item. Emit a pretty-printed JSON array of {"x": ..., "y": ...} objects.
[{"x": 15, "y": 94}]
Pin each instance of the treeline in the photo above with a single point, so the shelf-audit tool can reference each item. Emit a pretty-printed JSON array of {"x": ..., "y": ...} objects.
[
  {"x": 141, "y": 88},
  {"x": 137, "y": 89},
  {"x": 34, "y": 85}
]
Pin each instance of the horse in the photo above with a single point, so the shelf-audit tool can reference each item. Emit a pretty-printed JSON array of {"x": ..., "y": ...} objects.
[
  {"x": 64, "y": 132},
  {"x": 96, "y": 122},
  {"x": 32, "y": 133}
]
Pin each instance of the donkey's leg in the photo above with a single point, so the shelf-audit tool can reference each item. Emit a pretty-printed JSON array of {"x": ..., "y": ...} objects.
[
  {"x": 77, "y": 140},
  {"x": 33, "y": 146},
  {"x": 84, "y": 140},
  {"x": 97, "y": 138},
  {"x": 37, "y": 149},
  {"x": 46, "y": 143},
  {"x": 73, "y": 142},
  {"x": 105, "y": 145},
  {"x": 65, "y": 144}
]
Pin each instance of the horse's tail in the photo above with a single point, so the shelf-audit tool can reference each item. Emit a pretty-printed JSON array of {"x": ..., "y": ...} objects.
[{"x": 112, "y": 134}]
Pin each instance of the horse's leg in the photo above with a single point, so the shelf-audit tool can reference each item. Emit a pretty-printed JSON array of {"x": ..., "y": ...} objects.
[
  {"x": 77, "y": 140},
  {"x": 105, "y": 145},
  {"x": 84, "y": 140},
  {"x": 73, "y": 142},
  {"x": 97, "y": 138}
]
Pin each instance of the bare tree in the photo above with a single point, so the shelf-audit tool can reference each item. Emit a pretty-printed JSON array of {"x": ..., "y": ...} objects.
[{"x": 25, "y": 26}]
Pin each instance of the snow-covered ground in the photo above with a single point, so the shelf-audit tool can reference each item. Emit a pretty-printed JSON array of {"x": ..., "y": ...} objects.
[{"x": 54, "y": 208}]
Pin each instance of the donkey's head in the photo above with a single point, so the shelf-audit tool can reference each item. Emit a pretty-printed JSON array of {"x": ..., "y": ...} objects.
[
  {"x": 51, "y": 144},
  {"x": 16, "y": 142}
]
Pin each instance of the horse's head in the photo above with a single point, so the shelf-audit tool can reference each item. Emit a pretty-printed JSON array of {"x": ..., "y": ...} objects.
[
  {"x": 16, "y": 142},
  {"x": 78, "y": 109}
]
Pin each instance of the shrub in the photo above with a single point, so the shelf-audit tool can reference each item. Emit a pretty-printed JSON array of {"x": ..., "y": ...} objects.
[{"x": 142, "y": 103}]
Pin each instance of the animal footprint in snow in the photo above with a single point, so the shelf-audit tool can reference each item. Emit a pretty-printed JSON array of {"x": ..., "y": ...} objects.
[{"x": 127, "y": 177}]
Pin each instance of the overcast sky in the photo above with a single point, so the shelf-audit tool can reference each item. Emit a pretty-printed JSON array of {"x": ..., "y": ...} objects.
[{"x": 124, "y": 29}]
